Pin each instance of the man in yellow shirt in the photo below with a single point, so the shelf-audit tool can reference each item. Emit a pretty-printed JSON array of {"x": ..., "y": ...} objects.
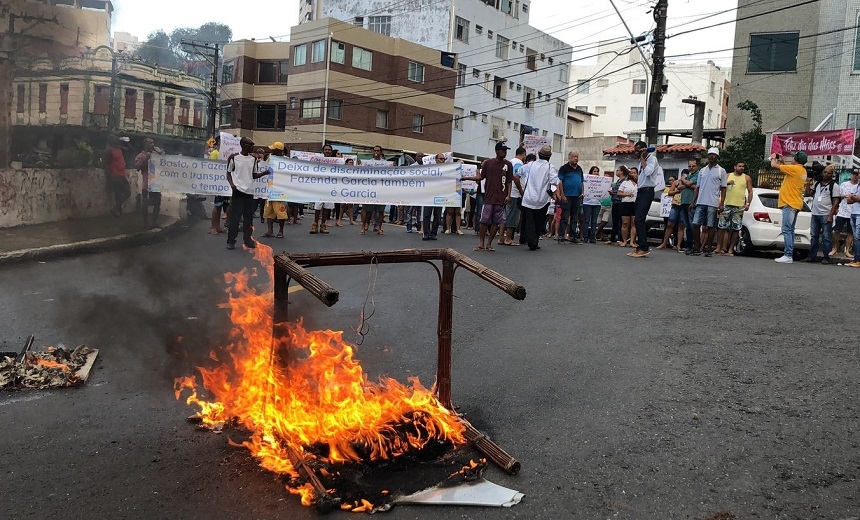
[{"x": 790, "y": 199}]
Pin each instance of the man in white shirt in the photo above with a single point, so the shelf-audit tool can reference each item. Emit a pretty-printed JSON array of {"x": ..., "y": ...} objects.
[
  {"x": 241, "y": 172},
  {"x": 536, "y": 181},
  {"x": 650, "y": 177},
  {"x": 853, "y": 198},
  {"x": 708, "y": 200},
  {"x": 825, "y": 205},
  {"x": 843, "y": 216}
]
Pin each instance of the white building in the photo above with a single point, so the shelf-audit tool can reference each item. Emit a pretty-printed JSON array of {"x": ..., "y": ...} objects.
[
  {"x": 512, "y": 78},
  {"x": 124, "y": 42},
  {"x": 615, "y": 89}
]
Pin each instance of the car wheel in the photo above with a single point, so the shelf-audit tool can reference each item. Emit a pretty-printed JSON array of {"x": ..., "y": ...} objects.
[{"x": 744, "y": 246}]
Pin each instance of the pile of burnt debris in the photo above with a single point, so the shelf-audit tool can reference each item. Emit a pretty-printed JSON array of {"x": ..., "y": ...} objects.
[{"x": 51, "y": 367}]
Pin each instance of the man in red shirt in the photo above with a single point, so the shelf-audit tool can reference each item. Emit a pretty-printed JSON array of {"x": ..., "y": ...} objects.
[
  {"x": 498, "y": 174},
  {"x": 117, "y": 176}
]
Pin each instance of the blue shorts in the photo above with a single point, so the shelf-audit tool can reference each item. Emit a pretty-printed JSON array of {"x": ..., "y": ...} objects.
[{"x": 705, "y": 216}]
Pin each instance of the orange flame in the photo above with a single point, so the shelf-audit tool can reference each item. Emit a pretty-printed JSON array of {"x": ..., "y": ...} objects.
[
  {"x": 47, "y": 363},
  {"x": 307, "y": 389}
]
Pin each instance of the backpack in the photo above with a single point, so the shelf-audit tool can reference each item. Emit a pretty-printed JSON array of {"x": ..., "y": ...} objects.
[{"x": 816, "y": 184}]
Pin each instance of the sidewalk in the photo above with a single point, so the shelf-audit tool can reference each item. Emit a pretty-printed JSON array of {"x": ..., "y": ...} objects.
[{"x": 78, "y": 236}]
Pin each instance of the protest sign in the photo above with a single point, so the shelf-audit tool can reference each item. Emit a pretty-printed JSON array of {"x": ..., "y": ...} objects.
[
  {"x": 182, "y": 174},
  {"x": 469, "y": 170},
  {"x": 595, "y": 188},
  {"x": 377, "y": 162},
  {"x": 666, "y": 205},
  {"x": 533, "y": 143},
  {"x": 320, "y": 158},
  {"x": 229, "y": 146},
  {"x": 304, "y": 181}
]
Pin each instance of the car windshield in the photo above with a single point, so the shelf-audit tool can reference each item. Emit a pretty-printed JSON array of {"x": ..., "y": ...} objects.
[{"x": 770, "y": 200}]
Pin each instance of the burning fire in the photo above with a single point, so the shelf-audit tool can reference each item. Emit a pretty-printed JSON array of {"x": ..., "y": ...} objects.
[{"x": 308, "y": 393}]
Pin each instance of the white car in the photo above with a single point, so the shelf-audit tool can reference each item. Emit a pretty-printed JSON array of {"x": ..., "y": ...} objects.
[{"x": 762, "y": 225}]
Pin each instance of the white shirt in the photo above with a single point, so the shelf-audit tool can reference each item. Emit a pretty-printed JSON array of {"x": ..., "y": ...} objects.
[
  {"x": 515, "y": 193},
  {"x": 845, "y": 189},
  {"x": 628, "y": 186},
  {"x": 651, "y": 175},
  {"x": 853, "y": 189},
  {"x": 536, "y": 178},
  {"x": 243, "y": 168},
  {"x": 822, "y": 199}
]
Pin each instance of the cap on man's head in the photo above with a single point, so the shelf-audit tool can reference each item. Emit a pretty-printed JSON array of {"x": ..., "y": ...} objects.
[
  {"x": 502, "y": 146},
  {"x": 277, "y": 145},
  {"x": 545, "y": 151},
  {"x": 800, "y": 158},
  {"x": 714, "y": 150}
]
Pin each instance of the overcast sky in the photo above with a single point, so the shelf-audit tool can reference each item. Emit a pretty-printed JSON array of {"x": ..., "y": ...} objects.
[{"x": 586, "y": 24}]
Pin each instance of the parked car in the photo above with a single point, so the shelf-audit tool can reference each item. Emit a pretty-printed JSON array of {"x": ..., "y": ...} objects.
[{"x": 762, "y": 225}]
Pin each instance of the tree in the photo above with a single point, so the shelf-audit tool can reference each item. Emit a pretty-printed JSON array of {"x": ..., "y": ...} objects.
[
  {"x": 748, "y": 147},
  {"x": 167, "y": 50}
]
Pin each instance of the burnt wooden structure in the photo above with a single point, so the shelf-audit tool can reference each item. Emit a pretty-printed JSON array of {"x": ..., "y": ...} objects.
[{"x": 293, "y": 266}]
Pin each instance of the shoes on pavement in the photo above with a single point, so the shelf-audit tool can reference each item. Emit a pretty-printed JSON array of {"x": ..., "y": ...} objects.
[
  {"x": 324, "y": 229},
  {"x": 460, "y": 232},
  {"x": 250, "y": 245},
  {"x": 809, "y": 260},
  {"x": 825, "y": 260},
  {"x": 231, "y": 245},
  {"x": 314, "y": 228},
  {"x": 784, "y": 260},
  {"x": 425, "y": 238}
]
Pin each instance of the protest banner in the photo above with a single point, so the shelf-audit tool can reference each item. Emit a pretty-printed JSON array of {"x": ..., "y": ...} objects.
[
  {"x": 666, "y": 205},
  {"x": 595, "y": 188},
  {"x": 827, "y": 142},
  {"x": 183, "y": 174},
  {"x": 469, "y": 170},
  {"x": 533, "y": 143},
  {"x": 378, "y": 163},
  {"x": 229, "y": 146},
  {"x": 304, "y": 181},
  {"x": 320, "y": 158}
]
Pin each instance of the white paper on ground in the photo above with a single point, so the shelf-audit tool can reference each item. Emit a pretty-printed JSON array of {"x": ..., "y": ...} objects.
[{"x": 477, "y": 493}]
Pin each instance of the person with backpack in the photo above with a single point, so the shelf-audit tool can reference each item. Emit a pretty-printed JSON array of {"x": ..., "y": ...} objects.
[{"x": 825, "y": 204}]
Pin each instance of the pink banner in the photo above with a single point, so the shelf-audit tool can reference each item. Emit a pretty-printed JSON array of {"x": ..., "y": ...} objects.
[{"x": 829, "y": 142}]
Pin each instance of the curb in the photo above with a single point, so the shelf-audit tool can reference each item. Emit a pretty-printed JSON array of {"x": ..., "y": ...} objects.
[{"x": 95, "y": 245}]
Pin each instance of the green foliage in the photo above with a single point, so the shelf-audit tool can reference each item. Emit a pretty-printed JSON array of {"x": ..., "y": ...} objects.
[
  {"x": 749, "y": 146},
  {"x": 167, "y": 50}
]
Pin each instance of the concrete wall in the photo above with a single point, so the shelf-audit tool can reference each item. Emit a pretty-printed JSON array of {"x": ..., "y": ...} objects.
[{"x": 35, "y": 196}]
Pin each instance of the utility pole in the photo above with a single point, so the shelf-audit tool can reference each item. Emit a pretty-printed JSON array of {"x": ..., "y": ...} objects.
[
  {"x": 657, "y": 78},
  {"x": 111, "y": 119},
  {"x": 212, "y": 52},
  {"x": 698, "y": 118}
]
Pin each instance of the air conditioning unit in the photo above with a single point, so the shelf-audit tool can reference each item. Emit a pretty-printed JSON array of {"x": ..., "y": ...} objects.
[{"x": 498, "y": 133}]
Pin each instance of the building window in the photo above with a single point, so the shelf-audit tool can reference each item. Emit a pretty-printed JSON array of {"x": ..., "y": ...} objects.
[
  {"x": 503, "y": 46},
  {"x": 713, "y": 89},
  {"x": 382, "y": 119},
  {"x": 581, "y": 108},
  {"x": 473, "y": 115},
  {"x": 282, "y": 117},
  {"x": 418, "y": 124},
  {"x": 662, "y": 114},
  {"x": 335, "y": 109},
  {"x": 300, "y": 54},
  {"x": 476, "y": 73},
  {"x": 583, "y": 86},
  {"x": 853, "y": 121},
  {"x": 602, "y": 83},
  {"x": 184, "y": 111},
  {"x": 226, "y": 115},
  {"x": 489, "y": 34},
  {"x": 130, "y": 103},
  {"x": 531, "y": 59},
  {"x": 267, "y": 72},
  {"x": 311, "y": 108},
  {"x": 22, "y": 100},
  {"x": 637, "y": 113},
  {"x": 43, "y": 98},
  {"x": 228, "y": 72},
  {"x": 148, "y": 107},
  {"x": 415, "y": 72},
  {"x": 318, "y": 51},
  {"x": 458, "y": 119},
  {"x": 102, "y": 101},
  {"x": 556, "y": 141},
  {"x": 283, "y": 72},
  {"x": 265, "y": 117},
  {"x": 500, "y": 88},
  {"x": 461, "y": 29},
  {"x": 638, "y": 86},
  {"x": 773, "y": 52},
  {"x": 362, "y": 58},
  {"x": 358, "y": 21},
  {"x": 498, "y": 128},
  {"x": 169, "y": 109},
  {"x": 379, "y": 24},
  {"x": 338, "y": 52},
  {"x": 64, "y": 99},
  {"x": 198, "y": 114},
  {"x": 525, "y": 8},
  {"x": 528, "y": 97},
  {"x": 563, "y": 72},
  {"x": 560, "y": 108},
  {"x": 479, "y": 29},
  {"x": 461, "y": 75},
  {"x": 710, "y": 117},
  {"x": 600, "y": 110}
]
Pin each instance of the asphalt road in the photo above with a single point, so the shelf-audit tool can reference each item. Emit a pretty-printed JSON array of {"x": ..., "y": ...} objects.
[{"x": 668, "y": 387}]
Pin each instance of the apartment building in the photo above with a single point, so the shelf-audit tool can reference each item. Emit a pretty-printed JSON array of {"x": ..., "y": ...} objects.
[
  {"x": 800, "y": 65},
  {"x": 341, "y": 84},
  {"x": 615, "y": 90},
  {"x": 512, "y": 79}
]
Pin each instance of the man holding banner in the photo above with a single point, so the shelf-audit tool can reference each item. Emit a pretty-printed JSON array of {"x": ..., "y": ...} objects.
[{"x": 241, "y": 172}]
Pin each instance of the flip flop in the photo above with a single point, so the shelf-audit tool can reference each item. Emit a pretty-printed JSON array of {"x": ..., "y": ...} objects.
[
  {"x": 362, "y": 232},
  {"x": 480, "y": 248},
  {"x": 279, "y": 235},
  {"x": 490, "y": 249}
]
